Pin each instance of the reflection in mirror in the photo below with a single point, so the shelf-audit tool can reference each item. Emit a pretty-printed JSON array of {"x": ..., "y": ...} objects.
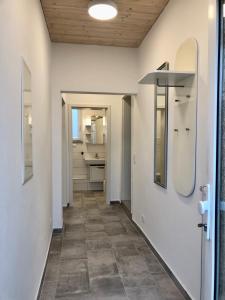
[
  {"x": 89, "y": 125},
  {"x": 161, "y": 132},
  {"x": 26, "y": 124},
  {"x": 97, "y": 130}
]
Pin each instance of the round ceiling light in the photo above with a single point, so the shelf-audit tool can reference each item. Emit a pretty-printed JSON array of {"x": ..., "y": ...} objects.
[{"x": 102, "y": 10}]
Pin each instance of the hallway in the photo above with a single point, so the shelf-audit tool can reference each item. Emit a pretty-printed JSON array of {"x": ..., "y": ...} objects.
[{"x": 101, "y": 256}]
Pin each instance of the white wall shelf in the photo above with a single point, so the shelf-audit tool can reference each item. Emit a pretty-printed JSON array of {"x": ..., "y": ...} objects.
[{"x": 167, "y": 78}]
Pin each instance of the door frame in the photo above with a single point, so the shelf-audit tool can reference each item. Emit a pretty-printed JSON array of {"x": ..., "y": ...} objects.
[
  {"x": 208, "y": 247},
  {"x": 65, "y": 156},
  {"x": 123, "y": 154},
  {"x": 219, "y": 207},
  {"x": 108, "y": 148},
  {"x": 64, "y": 153}
]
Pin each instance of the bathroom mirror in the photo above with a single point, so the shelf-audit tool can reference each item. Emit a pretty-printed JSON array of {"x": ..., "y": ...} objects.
[
  {"x": 161, "y": 132},
  {"x": 26, "y": 124},
  {"x": 97, "y": 129}
]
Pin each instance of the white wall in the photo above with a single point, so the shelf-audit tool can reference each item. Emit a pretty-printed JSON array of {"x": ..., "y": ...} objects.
[
  {"x": 171, "y": 220},
  {"x": 115, "y": 104},
  {"x": 86, "y": 69},
  {"x": 25, "y": 211}
]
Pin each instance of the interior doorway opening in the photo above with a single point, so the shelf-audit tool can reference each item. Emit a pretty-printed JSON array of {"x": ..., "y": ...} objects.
[
  {"x": 89, "y": 144},
  {"x": 93, "y": 159}
]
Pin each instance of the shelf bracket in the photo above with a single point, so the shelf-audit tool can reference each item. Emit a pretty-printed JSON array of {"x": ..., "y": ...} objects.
[{"x": 161, "y": 85}]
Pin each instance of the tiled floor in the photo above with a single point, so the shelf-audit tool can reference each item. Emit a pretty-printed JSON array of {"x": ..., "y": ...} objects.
[{"x": 101, "y": 256}]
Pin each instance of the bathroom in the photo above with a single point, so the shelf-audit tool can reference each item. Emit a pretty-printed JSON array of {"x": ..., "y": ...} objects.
[{"x": 89, "y": 138}]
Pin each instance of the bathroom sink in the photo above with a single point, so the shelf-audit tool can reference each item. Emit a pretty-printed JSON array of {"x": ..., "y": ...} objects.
[{"x": 94, "y": 161}]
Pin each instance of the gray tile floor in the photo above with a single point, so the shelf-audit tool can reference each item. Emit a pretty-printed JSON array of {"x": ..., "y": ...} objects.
[{"x": 101, "y": 256}]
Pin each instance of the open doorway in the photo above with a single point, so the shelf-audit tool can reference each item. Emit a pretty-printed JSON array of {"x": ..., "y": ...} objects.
[{"x": 87, "y": 155}]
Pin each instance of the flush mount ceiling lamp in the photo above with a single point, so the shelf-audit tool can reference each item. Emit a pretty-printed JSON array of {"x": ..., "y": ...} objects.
[{"x": 102, "y": 9}]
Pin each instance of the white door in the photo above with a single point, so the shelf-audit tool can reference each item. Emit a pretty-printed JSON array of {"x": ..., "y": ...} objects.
[
  {"x": 126, "y": 152},
  {"x": 67, "y": 185},
  {"x": 64, "y": 157},
  {"x": 70, "y": 155},
  {"x": 209, "y": 188}
]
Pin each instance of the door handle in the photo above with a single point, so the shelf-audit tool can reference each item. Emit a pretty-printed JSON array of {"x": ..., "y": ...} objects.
[
  {"x": 202, "y": 188},
  {"x": 202, "y": 225},
  {"x": 204, "y": 208}
]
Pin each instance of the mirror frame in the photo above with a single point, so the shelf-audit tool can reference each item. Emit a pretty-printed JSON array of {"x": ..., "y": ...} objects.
[{"x": 164, "y": 66}]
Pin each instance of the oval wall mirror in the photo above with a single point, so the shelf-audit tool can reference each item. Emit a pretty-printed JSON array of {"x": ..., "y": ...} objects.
[{"x": 185, "y": 120}]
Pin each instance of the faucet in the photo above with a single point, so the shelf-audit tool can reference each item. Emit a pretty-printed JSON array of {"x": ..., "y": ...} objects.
[{"x": 96, "y": 155}]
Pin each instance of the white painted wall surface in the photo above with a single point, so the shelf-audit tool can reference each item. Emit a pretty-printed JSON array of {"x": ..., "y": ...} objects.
[
  {"x": 171, "y": 220},
  {"x": 115, "y": 103},
  {"x": 25, "y": 211},
  {"x": 86, "y": 69}
]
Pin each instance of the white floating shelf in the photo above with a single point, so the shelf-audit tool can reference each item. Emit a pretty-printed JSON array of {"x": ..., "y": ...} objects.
[{"x": 166, "y": 78}]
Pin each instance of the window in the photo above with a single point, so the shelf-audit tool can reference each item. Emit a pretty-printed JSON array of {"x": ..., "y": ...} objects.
[{"x": 76, "y": 128}]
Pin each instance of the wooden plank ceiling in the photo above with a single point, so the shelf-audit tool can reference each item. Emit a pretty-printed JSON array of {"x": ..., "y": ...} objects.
[{"x": 68, "y": 22}]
